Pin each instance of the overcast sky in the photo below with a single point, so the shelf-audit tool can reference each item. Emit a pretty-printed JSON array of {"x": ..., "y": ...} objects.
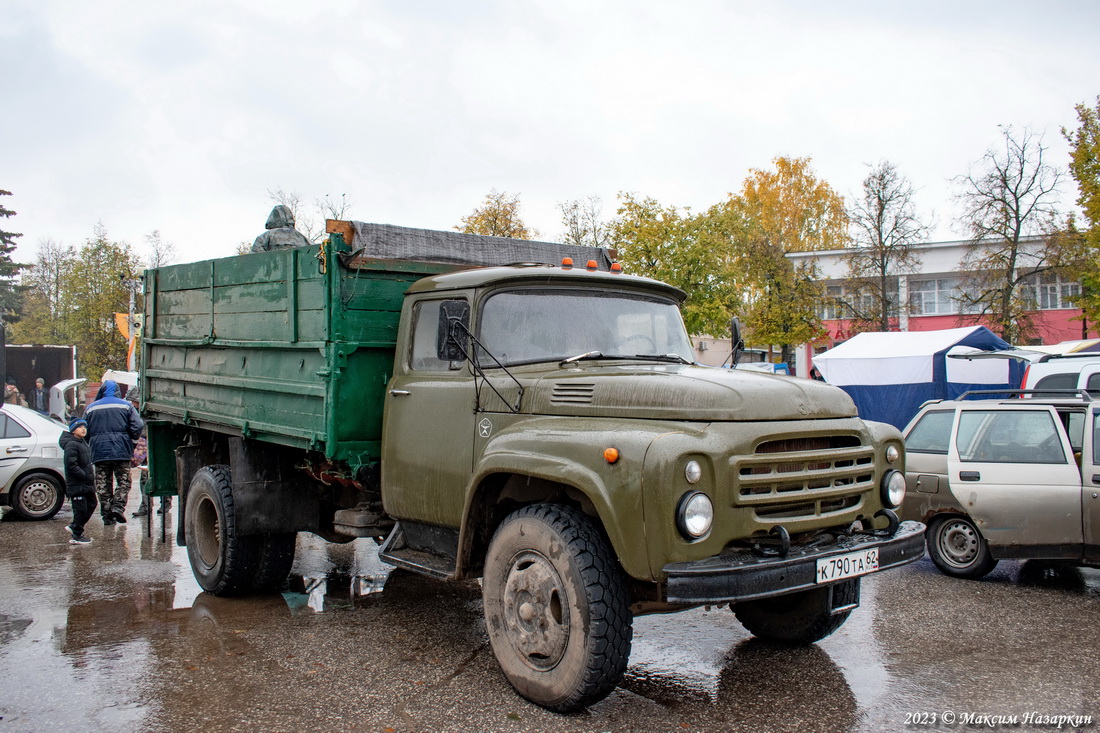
[{"x": 181, "y": 116}]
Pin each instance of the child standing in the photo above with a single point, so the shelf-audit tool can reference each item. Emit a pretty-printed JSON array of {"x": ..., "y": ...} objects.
[{"x": 79, "y": 478}]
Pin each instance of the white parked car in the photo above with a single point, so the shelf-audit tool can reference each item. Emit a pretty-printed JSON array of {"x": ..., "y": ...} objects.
[
  {"x": 1076, "y": 371},
  {"x": 1005, "y": 478},
  {"x": 32, "y": 464}
]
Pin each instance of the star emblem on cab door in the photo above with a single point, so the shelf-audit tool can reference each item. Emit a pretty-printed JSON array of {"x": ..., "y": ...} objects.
[{"x": 485, "y": 428}]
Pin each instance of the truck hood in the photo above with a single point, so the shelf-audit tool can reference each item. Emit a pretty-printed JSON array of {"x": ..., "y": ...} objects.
[{"x": 682, "y": 392}]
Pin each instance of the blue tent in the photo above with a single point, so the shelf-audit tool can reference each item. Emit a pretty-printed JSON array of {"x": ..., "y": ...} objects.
[{"x": 889, "y": 375}]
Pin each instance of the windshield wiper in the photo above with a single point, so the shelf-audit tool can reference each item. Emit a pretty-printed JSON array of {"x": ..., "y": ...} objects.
[
  {"x": 581, "y": 357},
  {"x": 674, "y": 358},
  {"x": 671, "y": 358}
]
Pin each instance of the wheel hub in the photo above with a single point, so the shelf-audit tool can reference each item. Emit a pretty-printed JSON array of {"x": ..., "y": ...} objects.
[
  {"x": 536, "y": 615},
  {"x": 37, "y": 497},
  {"x": 959, "y": 543}
]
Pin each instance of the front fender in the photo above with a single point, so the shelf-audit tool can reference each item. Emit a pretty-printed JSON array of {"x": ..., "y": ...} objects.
[{"x": 570, "y": 451}]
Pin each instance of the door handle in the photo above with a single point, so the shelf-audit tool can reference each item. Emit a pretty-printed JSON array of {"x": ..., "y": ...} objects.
[
  {"x": 1096, "y": 478},
  {"x": 969, "y": 476},
  {"x": 17, "y": 449},
  {"x": 400, "y": 392}
]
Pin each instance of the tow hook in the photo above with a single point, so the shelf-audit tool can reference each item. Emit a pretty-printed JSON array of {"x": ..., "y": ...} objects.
[
  {"x": 890, "y": 530},
  {"x": 784, "y": 543}
]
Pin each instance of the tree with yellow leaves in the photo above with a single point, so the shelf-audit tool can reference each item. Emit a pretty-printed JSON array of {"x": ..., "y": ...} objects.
[
  {"x": 777, "y": 212},
  {"x": 497, "y": 217},
  {"x": 676, "y": 247},
  {"x": 1081, "y": 253}
]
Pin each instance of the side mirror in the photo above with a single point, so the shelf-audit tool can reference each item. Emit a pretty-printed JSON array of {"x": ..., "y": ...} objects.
[
  {"x": 736, "y": 340},
  {"x": 454, "y": 326}
]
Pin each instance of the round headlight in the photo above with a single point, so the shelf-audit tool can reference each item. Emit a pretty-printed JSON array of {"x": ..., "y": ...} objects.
[
  {"x": 892, "y": 454},
  {"x": 693, "y": 472},
  {"x": 694, "y": 515},
  {"x": 893, "y": 489}
]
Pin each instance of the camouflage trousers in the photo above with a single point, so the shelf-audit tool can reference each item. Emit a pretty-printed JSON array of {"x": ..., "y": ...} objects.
[{"x": 112, "y": 484}]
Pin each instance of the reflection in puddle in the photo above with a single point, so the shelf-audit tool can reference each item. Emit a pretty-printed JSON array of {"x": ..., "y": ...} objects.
[
  {"x": 328, "y": 576},
  {"x": 704, "y": 664},
  {"x": 10, "y": 627},
  {"x": 330, "y": 590},
  {"x": 1053, "y": 575}
]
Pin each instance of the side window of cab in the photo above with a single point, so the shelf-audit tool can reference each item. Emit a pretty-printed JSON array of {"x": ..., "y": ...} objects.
[
  {"x": 932, "y": 433},
  {"x": 424, "y": 344}
]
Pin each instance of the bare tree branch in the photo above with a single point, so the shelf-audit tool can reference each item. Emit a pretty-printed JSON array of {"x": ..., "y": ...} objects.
[
  {"x": 885, "y": 227},
  {"x": 1010, "y": 211}
]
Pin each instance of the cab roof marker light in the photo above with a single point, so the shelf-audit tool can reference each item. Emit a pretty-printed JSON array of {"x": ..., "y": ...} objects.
[
  {"x": 616, "y": 267},
  {"x": 592, "y": 265},
  {"x": 566, "y": 262}
]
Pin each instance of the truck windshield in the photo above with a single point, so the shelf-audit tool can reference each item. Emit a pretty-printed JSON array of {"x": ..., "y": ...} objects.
[{"x": 528, "y": 326}]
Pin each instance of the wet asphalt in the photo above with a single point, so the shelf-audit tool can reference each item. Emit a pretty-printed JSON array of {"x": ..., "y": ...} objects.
[{"x": 118, "y": 636}]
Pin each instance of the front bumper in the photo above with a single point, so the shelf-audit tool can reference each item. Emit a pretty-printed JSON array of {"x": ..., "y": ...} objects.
[{"x": 744, "y": 576}]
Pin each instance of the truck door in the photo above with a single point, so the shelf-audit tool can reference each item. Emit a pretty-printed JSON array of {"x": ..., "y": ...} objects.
[
  {"x": 1013, "y": 471},
  {"x": 428, "y": 428},
  {"x": 1090, "y": 497}
]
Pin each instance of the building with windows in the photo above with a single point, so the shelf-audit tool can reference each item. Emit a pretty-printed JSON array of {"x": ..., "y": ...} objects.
[{"x": 931, "y": 294}]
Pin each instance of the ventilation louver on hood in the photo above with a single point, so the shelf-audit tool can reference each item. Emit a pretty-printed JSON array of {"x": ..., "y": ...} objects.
[{"x": 572, "y": 394}]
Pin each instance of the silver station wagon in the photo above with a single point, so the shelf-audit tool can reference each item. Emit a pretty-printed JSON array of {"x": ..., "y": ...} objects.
[{"x": 1005, "y": 478}]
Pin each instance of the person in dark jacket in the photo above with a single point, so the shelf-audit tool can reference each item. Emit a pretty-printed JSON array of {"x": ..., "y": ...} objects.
[
  {"x": 280, "y": 231},
  {"x": 38, "y": 399},
  {"x": 79, "y": 478},
  {"x": 113, "y": 427}
]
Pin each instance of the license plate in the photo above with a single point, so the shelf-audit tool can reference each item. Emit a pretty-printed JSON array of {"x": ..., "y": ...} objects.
[{"x": 847, "y": 566}]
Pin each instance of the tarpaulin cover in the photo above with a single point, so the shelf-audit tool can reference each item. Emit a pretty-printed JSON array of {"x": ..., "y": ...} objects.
[
  {"x": 386, "y": 241},
  {"x": 890, "y": 375}
]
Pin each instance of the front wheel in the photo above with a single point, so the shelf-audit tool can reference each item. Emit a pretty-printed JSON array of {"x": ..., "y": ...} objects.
[
  {"x": 800, "y": 618},
  {"x": 556, "y": 607},
  {"x": 224, "y": 562},
  {"x": 958, "y": 549},
  {"x": 37, "y": 496}
]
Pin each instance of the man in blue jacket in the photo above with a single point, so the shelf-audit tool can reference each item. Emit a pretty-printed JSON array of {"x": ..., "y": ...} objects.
[{"x": 113, "y": 427}]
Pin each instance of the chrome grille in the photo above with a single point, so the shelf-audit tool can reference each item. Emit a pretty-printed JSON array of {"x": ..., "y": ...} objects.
[{"x": 802, "y": 478}]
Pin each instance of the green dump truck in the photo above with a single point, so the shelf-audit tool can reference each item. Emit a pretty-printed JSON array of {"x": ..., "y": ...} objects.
[{"x": 521, "y": 412}]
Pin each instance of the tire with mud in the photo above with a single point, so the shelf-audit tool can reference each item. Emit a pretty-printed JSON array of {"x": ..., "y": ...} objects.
[
  {"x": 37, "y": 496},
  {"x": 958, "y": 549},
  {"x": 224, "y": 562},
  {"x": 798, "y": 618},
  {"x": 276, "y": 559},
  {"x": 556, "y": 607}
]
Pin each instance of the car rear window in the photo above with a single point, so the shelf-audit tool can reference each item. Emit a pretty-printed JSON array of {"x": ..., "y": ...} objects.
[
  {"x": 1009, "y": 436},
  {"x": 11, "y": 429},
  {"x": 932, "y": 433},
  {"x": 1056, "y": 381}
]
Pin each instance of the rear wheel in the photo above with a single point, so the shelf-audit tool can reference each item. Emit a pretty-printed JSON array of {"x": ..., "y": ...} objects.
[
  {"x": 556, "y": 607},
  {"x": 37, "y": 496},
  {"x": 958, "y": 549},
  {"x": 223, "y": 562},
  {"x": 276, "y": 559},
  {"x": 800, "y": 618}
]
